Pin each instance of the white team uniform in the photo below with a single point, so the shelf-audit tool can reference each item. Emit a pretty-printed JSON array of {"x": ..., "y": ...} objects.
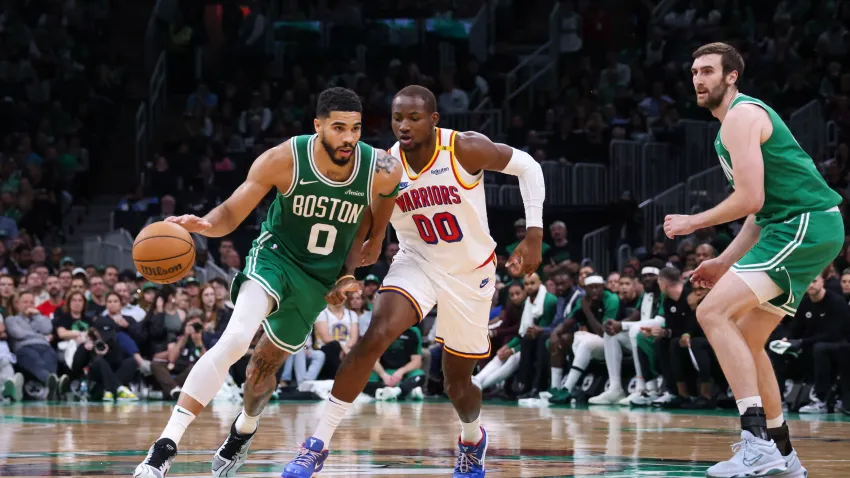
[{"x": 446, "y": 255}]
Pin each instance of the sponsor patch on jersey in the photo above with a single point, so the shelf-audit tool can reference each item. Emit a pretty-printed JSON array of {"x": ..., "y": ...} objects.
[
  {"x": 352, "y": 192},
  {"x": 484, "y": 282},
  {"x": 439, "y": 171}
]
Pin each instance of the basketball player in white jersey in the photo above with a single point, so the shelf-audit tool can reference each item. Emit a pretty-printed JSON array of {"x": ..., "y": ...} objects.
[{"x": 446, "y": 258}]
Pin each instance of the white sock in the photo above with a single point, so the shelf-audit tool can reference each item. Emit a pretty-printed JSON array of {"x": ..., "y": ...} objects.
[
  {"x": 470, "y": 433},
  {"x": 557, "y": 377},
  {"x": 177, "y": 424},
  {"x": 334, "y": 412},
  {"x": 776, "y": 422},
  {"x": 745, "y": 403},
  {"x": 245, "y": 424},
  {"x": 572, "y": 379}
]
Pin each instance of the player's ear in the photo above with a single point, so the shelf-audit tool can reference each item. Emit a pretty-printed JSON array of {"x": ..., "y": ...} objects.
[
  {"x": 435, "y": 118},
  {"x": 731, "y": 78},
  {"x": 317, "y": 124}
]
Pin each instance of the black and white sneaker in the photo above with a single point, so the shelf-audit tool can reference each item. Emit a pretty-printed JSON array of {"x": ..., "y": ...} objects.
[
  {"x": 158, "y": 461},
  {"x": 52, "y": 387},
  {"x": 232, "y": 453}
]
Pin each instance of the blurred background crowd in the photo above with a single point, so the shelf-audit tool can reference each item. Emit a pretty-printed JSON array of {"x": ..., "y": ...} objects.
[{"x": 110, "y": 123}]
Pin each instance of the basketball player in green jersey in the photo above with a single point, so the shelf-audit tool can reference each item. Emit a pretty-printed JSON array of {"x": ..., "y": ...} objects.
[
  {"x": 792, "y": 231},
  {"x": 308, "y": 247}
]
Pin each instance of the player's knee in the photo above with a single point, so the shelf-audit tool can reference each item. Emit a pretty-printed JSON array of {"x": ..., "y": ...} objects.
[
  {"x": 456, "y": 385},
  {"x": 710, "y": 316}
]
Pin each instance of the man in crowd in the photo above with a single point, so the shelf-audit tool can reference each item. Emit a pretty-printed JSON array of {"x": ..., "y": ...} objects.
[
  {"x": 56, "y": 298},
  {"x": 127, "y": 307},
  {"x": 400, "y": 368},
  {"x": 30, "y": 334},
  {"x": 557, "y": 257},
  {"x": 537, "y": 314}
]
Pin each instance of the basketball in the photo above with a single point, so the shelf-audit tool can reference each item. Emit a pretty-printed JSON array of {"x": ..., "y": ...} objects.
[{"x": 164, "y": 252}]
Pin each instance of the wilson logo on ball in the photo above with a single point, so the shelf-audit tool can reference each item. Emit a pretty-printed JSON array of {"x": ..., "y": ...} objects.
[{"x": 159, "y": 271}]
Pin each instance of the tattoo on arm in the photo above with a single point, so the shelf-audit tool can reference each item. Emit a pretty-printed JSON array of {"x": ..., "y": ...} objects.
[{"x": 384, "y": 162}]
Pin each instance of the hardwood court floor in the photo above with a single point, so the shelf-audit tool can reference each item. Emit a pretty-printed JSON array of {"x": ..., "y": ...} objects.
[{"x": 390, "y": 439}]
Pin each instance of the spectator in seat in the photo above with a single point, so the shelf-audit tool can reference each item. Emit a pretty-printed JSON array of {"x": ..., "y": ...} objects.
[
  {"x": 845, "y": 285},
  {"x": 588, "y": 315},
  {"x": 182, "y": 356},
  {"x": 163, "y": 323},
  {"x": 506, "y": 360},
  {"x": 537, "y": 314},
  {"x": 13, "y": 383},
  {"x": 336, "y": 332},
  {"x": 7, "y": 295},
  {"x": 704, "y": 252},
  {"x": 688, "y": 342},
  {"x": 30, "y": 334},
  {"x": 624, "y": 334},
  {"x": 128, "y": 309},
  {"x": 129, "y": 332},
  {"x": 55, "y": 300},
  {"x": 97, "y": 296},
  {"x": 819, "y": 330},
  {"x": 557, "y": 257},
  {"x": 110, "y": 369},
  {"x": 35, "y": 285},
  {"x": 371, "y": 283},
  {"x": 192, "y": 288},
  {"x": 504, "y": 328},
  {"x": 307, "y": 364},
  {"x": 65, "y": 280},
  {"x": 222, "y": 292},
  {"x": 382, "y": 267},
  {"x": 215, "y": 315},
  {"x": 400, "y": 368},
  {"x": 71, "y": 324},
  {"x": 110, "y": 276},
  {"x": 356, "y": 304}
]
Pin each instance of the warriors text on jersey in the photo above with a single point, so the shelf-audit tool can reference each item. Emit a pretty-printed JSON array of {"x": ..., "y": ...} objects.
[
  {"x": 792, "y": 183},
  {"x": 441, "y": 213}
]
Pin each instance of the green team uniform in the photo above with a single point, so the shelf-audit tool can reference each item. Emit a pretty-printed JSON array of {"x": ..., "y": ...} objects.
[
  {"x": 305, "y": 241},
  {"x": 802, "y": 231}
]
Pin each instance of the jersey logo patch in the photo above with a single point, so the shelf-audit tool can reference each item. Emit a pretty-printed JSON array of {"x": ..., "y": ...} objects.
[
  {"x": 484, "y": 282},
  {"x": 439, "y": 171},
  {"x": 352, "y": 192},
  {"x": 403, "y": 185},
  {"x": 304, "y": 183}
]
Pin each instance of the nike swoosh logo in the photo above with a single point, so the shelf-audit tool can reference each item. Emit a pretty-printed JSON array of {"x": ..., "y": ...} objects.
[
  {"x": 751, "y": 462},
  {"x": 304, "y": 183},
  {"x": 181, "y": 411}
]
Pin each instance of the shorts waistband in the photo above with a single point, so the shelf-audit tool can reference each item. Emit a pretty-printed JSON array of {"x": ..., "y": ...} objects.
[{"x": 833, "y": 209}]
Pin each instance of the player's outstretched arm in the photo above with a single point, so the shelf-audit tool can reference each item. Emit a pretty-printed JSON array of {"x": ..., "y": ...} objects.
[
  {"x": 741, "y": 133},
  {"x": 272, "y": 168},
  {"x": 475, "y": 152}
]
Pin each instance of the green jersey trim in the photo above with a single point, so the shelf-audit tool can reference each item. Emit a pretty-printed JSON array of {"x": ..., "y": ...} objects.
[
  {"x": 321, "y": 177},
  {"x": 295, "y": 161},
  {"x": 785, "y": 252},
  {"x": 371, "y": 181},
  {"x": 251, "y": 266}
]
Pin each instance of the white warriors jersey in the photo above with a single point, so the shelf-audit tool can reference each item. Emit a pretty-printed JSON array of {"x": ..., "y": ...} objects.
[{"x": 441, "y": 213}]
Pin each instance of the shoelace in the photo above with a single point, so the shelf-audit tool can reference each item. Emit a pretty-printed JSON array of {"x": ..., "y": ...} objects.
[
  {"x": 745, "y": 445},
  {"x": 465, "y": 461},
  {"x": 307, "y": 457},
  {"x": 158, "y": 456}
]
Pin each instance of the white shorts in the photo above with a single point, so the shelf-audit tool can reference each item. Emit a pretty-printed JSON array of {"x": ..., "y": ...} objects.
[{"x": 463, "y": 301}]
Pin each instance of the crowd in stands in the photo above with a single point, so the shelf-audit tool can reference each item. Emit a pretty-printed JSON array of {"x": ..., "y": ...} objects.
[{"x": 57, "y": 97}]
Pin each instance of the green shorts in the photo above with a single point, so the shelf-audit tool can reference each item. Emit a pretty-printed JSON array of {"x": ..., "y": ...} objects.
[
  {"x": 413, "y": 373},
  {"x": 793, "y": 253},
  {"x": 299, "y": 297}
]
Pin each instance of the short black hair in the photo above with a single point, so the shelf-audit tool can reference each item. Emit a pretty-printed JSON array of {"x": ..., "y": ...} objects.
[
  {"x": 337, "y": 99},
  {"x": 421, "y": 92},
  {"x": 671, "y": 274}
]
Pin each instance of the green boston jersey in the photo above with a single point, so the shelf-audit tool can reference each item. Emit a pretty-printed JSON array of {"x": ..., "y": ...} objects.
[
  {"x": 792, "y": 183},
  {"x": 314, "y": 222}
]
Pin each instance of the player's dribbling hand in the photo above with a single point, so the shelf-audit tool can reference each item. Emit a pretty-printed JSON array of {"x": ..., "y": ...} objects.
[
  {"x": 337, "y": 294},
  {"x": 709, "y": 272},
  {"x": 678, "y": 225},
  {"x": 528, "y": 254},
  {"x": 190, "y": 222},
  {"x": 370, "y": 251}
]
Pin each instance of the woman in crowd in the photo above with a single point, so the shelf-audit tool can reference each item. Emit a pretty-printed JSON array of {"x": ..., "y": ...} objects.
[
  {"x": 129, "y": 333},
  {"x": 215, "y": 315},
  {"x": 71, "y": 324},
  {"x": 164, "y": 323},
  {"x": 336, "y": 331},
  {"x": 356, "y": 304},
  {"x": 7, "y": 295}
]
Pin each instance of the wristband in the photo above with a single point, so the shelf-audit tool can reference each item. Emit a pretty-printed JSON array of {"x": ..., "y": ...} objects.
[{"x": 346, "y": 276}]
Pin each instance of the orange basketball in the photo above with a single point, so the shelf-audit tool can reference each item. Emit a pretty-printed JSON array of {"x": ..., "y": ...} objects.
[{"x": 164, "y": 252}]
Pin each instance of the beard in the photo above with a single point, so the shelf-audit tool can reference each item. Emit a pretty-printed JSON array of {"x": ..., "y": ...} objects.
[
  {"x": 332, "y": 152},
  {"x": 715, "y": 97}
]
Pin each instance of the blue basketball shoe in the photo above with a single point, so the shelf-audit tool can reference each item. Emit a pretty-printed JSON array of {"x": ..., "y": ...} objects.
[
  {"x": 310, "y": 460},
  {"x": 470, "y": 458}
]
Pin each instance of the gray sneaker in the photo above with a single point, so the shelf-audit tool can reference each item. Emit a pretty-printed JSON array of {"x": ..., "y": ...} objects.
[
  {"x": 231, "y": 455},
  {"x": 753, "y": 457}
]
